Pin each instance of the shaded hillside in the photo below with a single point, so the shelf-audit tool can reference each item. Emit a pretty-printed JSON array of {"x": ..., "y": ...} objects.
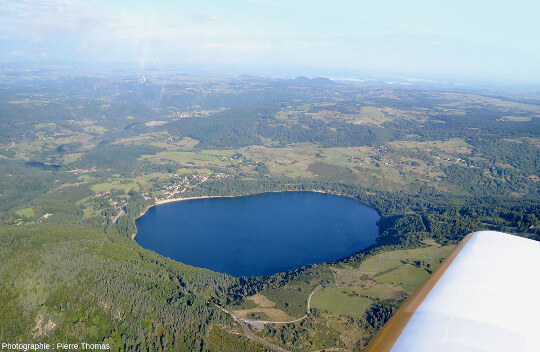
[{"x": 71, "y": 284}]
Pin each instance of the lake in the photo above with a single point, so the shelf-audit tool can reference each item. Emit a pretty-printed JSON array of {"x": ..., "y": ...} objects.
[{"x": 259, "y": 234}]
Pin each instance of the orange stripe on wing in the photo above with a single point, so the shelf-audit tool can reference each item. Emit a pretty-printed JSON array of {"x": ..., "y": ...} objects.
[{"x": 388, "y": 335}]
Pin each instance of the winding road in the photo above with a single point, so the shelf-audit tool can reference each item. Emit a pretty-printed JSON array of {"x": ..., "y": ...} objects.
[
  {"x": 264, "y": 322},
  {"x": 261, "y": 323},
  {"x": 256, "y": 338}
]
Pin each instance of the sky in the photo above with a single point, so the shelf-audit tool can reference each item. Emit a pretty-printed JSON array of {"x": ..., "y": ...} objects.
[{"x": 495, "y": 39}]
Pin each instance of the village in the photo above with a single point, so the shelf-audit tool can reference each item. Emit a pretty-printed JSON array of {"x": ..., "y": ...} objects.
[
  {"x": 113, "y": 202},
  {"x": 182, "y": 183}
]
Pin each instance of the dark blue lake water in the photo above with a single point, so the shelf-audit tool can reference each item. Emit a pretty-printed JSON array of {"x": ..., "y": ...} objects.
[{"x": 259, "y": 234}]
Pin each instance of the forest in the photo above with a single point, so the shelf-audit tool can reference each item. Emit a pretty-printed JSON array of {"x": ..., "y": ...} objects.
[{"x": 82, "y": 157}]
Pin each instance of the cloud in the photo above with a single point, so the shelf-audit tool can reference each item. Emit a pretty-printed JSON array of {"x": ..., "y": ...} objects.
[
  {"x": 267, "y": 2},
  {"x": 204, "y": 17},
  {"x": 42, "y": 18},
  {"x": 16, "y": 53},
  {"x": 268, "y": 32},
  {"x": 237, "y": 46}
]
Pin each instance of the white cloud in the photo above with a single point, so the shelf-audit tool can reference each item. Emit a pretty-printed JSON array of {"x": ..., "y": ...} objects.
[
  {"x": 42, "y": 18},
  {"x": 204, "y": 17},
  {"x": 16, "y": 53},
  {"x": 268, "y": 3},
  {"x": 237, "y": 46},
  {"x": 277, "y": 32}
]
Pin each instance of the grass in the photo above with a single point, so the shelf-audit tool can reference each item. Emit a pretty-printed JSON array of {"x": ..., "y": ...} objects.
[
  {"x": 47, "y": 141},
  {"x": 199, "y": 158},
  {"x": 86, "y": 178},
  {"x": 28, "y": 212},
  {"x": 89, "y": 212},
  {"x": 259, "y": 307},
  {"x": 341, "y": 301},
  {"x": 69, "y": 193},
  {"x": 371, "y": 115},
  {"x": 269, "y": 314},
  {"x": 221, "y": 340},
  {"x": 451, "y": 146},
  {"x": 291, "y": 299},
  {"x": 379, "y": 292},
  {"x": 384, "y": 170},
  {"x": 372, "y": 263},
  {"x": 107, "y": 186},
  {"x": 145, "y": 179},
  {"x": 258, "y": 316},
  {"x": 246, "y": 304},
  {"x": 393, "y": 259},
  {"x": 70, "y": 158},
  {"x": 516, "y": 118},
  {"x": 186, "y": 171},
  {"x": 313, "y": 277},
  {"x": 408, "y": 276},
  {"x": 289, "y": 171}
]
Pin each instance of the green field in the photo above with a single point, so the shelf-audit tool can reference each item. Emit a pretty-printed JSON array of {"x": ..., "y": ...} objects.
[
  {"x": 69, "y": 193},
  {"x": 516, "y": 118},
  {"x": 435, "y": 163},
  {"x": 409, "y": 277},
  {"x": 291, "y": 299},
  {"x": 107, "y": 186},
  {"x": 341, "y": 301},
  {"x": 394, "y": 259},
  {"x": 289, "y": 171},
  {"x": 28, "y": 212},
  {"x": 379, "y": 292}
]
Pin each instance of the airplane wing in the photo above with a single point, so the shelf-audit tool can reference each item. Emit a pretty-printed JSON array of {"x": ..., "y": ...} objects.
[{"x": 484, "y": 297}]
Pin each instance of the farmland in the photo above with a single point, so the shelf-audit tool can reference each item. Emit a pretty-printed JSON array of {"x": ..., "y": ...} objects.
[{"x": 435, "y": 161}]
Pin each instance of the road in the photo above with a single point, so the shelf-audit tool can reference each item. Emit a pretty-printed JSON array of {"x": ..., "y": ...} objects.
[
  {"x": 264, "y": 322},
  {"x": 336, "y": 283},
  {"x": 260, "y": 323},
  {"x": 122, "y": 212},
  {"x": 248, "y": 333},
  {"x": 378, "y": 268},
  {"x": 253, "y": 337}
]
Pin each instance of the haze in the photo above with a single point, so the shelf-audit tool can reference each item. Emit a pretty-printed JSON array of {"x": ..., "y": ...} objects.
[{"x": 481, "y": 39}]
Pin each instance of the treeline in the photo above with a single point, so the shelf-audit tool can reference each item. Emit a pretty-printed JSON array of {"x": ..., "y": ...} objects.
[
  {"x": 305, "y": 335},
  {"x": 21, "y": 182},
  {"x": 390, "y": 204},
  {"x": 121, "y": 159},
  {"x": 406, "y": 219},
  {"x": 333, "y": 134},
  {"x": 519, "y": 154},
  {"x": 135, "y": 207},
  {"x": 102, "y": 288},
  {"x": 245, "y": 126}
]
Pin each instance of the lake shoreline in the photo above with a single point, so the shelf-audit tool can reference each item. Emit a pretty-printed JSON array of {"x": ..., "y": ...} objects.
[
  {"x": 172, "y": 200},
  {"x": 271, "y": 231}
]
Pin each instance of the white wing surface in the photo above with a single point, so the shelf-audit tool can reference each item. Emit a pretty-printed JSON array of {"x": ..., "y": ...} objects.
[{"x": 484, "y": 297}]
